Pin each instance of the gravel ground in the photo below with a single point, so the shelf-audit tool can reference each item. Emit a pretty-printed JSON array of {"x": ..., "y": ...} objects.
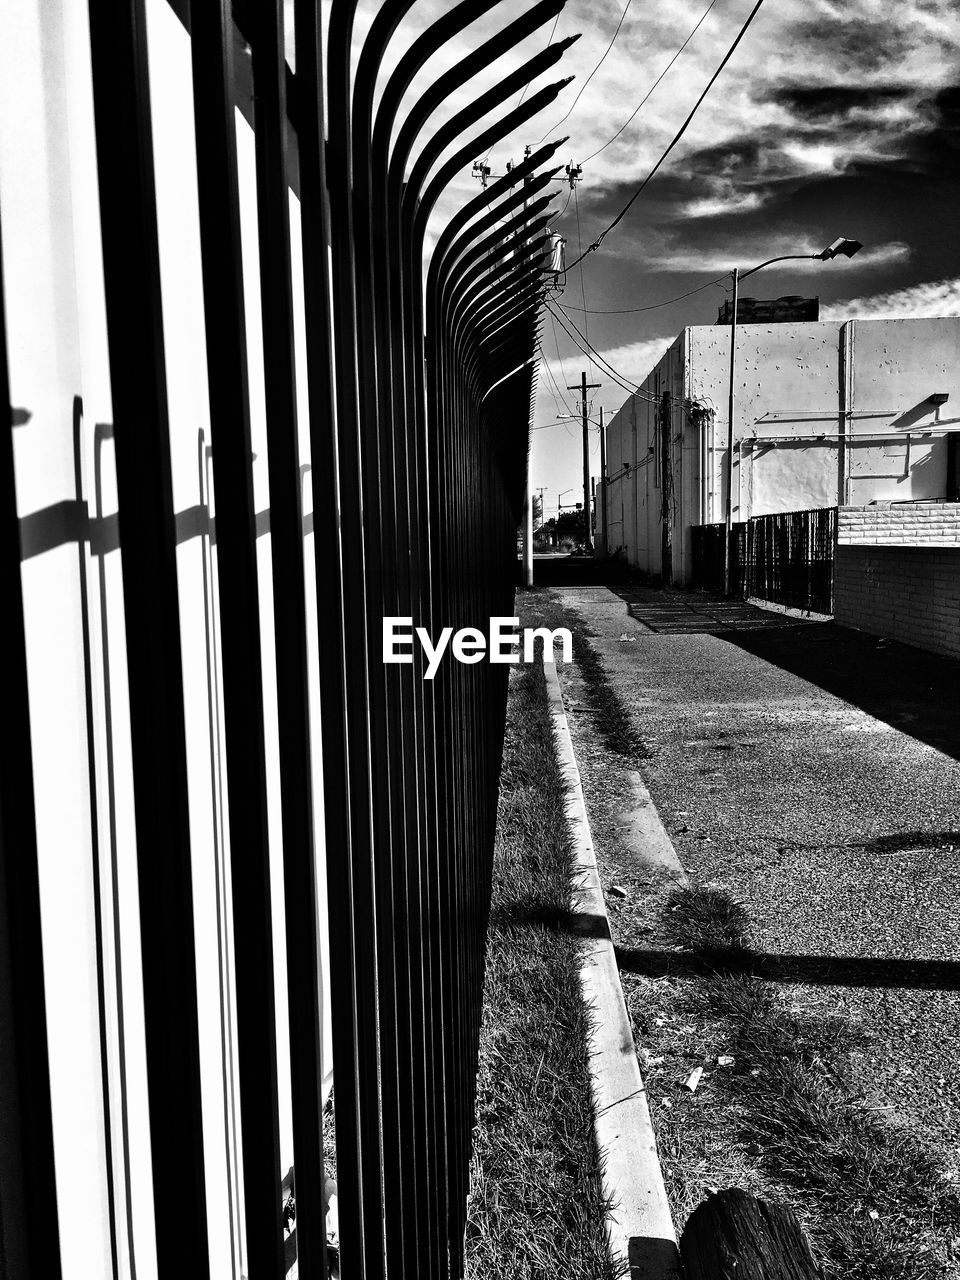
[{"x": 813, "y": 772}]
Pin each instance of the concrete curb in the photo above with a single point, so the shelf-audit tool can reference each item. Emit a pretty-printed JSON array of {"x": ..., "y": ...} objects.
[
  {"x": 647, "y": 837},
  {"x": 639, "y": 1227}
]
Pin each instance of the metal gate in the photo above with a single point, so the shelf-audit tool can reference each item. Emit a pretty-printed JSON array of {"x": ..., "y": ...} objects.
[{"x": 786, "y": 557}]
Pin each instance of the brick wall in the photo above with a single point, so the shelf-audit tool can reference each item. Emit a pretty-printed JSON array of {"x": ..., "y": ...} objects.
[
  {"x": 908, "y": 593},
  {"x": 905, "y": 524}
]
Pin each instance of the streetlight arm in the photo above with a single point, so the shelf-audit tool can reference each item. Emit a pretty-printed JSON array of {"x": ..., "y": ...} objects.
[{"x": 787, "y": 257}]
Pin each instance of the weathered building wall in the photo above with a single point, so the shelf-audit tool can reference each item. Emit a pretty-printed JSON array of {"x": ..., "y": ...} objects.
[
  {"x": 905, "y": 593},
  {"x": 901, "y": 524},
  {"x": 897, "y": 573},
  {"x": 653, "y": 466},
  {"x": 822, "y": 410},
  {"x": 786, "y": 387},
  {"x": 896, "y": 366}
]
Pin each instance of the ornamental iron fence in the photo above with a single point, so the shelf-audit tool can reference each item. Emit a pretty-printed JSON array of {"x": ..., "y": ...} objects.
[
  {"x": 286, "y": 845},
  {"x": 786, "y": 557}
]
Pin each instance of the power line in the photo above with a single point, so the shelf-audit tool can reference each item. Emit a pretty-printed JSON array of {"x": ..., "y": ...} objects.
[
  {"x": 583, "y": 287},
  {"x": 588, "y": 351},
  {"x": 676, "y": 137},
  {"x": 654, "y": 85},
  {"x": 580, "y": 341},
  {"x": 556, "y": 343},
  {"x": 592, "y": 73},
  {"x": 559, "y": 396},
  {"x": 603, "y": 362},
  {"x": 543, "y": 361},
  {"x": 652, "y": 307},
  {"x": 553, "y": 32}
]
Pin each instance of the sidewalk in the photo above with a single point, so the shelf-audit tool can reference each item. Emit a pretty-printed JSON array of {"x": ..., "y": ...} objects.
[{"x": 813, "y": 772}]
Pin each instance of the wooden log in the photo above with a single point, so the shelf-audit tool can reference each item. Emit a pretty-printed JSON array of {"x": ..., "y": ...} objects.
[{"x": 736, "y": 1236}]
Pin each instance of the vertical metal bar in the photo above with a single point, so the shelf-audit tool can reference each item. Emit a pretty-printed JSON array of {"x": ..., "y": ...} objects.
[
  {"x": 148, "y": 557},
  {"x": 214, "y": 81},
  {"x": 393, "y": 732},
  {"x": 29, "y": 1238},
  {"x": 289, "y": 606},
  {"x": 353, "y": 1011},
  {"x": 363, "y": 1254}
]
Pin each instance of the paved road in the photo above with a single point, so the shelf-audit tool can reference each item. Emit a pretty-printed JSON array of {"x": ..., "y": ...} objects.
[{"x": 814, "y": 772}]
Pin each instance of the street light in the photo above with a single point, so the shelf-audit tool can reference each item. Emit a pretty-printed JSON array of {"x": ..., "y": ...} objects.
[{"x": 841, "y": 248}]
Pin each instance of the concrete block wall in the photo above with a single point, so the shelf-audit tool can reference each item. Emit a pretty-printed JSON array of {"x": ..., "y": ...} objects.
[
  {"x": 903, "y": 524},
  {"x": 904, "y": 592}
]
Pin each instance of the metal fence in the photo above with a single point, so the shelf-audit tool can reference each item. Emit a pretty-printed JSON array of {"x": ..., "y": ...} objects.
[
  {"x": 418, "y": 396},
  {"x": 786, "y": 558}
]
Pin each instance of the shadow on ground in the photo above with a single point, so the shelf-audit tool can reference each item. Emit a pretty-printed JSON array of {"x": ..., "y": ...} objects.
[
  {"x": 577, "y": 571},
  {"x": 914, "y": 691},
  {"x": 910, "y": 689},
  {"x": 881, "y": 972}
]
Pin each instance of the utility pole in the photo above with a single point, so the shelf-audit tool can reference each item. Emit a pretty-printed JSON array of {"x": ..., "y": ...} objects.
[
  {"x": 583, "y": 388},
  {"x": 528, "y": 505},
  {"x": 528, "y": 535},
  {"x": 602, "y": 522},
  {"x": 543, "y": 510}
]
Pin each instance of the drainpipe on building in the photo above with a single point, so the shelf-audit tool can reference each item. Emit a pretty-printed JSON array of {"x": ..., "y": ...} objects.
[
  {"x": 731, "y": 405},
  {"x": 847, "y": 333}
]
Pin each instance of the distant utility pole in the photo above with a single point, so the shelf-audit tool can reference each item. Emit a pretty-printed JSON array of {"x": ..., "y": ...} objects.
[
  {"x": 583, "y": 388},
  {"x": 602, "y": 522}
]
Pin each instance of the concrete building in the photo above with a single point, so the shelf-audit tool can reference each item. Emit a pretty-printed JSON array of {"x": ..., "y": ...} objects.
[{"x": 828, "y": 413}]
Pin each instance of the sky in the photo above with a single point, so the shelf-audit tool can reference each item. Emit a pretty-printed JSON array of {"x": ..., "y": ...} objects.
[{"x": 833, "y": 117}]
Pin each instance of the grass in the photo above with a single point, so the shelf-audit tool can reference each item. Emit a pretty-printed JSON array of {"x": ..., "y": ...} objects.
[
  {"x": 614, "y": 721},
  {"x": 536, "y": 1208},
  {"x": 876, "y": 1199}
]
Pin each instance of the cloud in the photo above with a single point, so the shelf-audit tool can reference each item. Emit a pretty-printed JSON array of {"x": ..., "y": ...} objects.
[
  {"x": 724, "y": 257},
  {"x": 816, "y": 88},
  {"x": 820, "y": 103},
  {"x": 723, "y": 203},
  {"x": 936, "y": 298},
  {"x": 632, "y": 361}
]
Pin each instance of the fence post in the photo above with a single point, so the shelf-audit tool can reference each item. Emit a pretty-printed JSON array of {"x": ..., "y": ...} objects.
[{"x": 736, "y": 1236}]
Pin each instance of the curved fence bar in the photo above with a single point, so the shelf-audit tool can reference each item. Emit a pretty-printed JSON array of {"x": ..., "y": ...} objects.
[{"x": 279, "y": 429}]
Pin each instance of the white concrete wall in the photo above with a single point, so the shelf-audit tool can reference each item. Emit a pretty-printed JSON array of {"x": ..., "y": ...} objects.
[
  {"x": 897, "y": 364},
  {"x": 73, "y": 597},
  {"x": 58, "y": 361},
  {"x": 798, "y": 387},
  {"x": 635, "y": 463},
  {"x": 786, "y": 385}
]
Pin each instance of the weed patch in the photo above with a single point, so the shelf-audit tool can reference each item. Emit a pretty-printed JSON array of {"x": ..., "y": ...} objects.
[
  {"x": 614, "y": 722},
  {"x": 878, "y": 1203},
  {"x": 536, "y": 1208}
]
